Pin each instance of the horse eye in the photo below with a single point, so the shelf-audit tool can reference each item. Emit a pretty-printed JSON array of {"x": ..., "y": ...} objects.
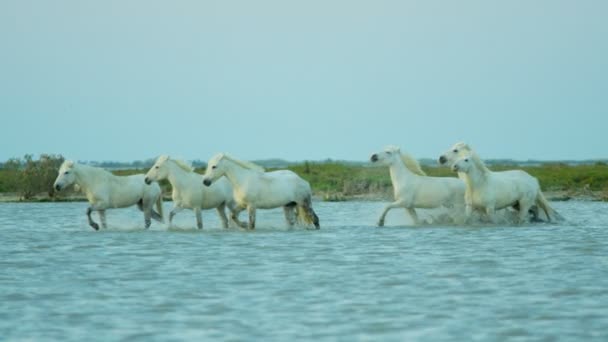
[
  {"x": 214, "y": 167},
  {"x": 157, "y": 167},
  {"x": 65, "y": 173},
  {"x": 455, "y": 151},
  {"x": 466, "y": 160}
]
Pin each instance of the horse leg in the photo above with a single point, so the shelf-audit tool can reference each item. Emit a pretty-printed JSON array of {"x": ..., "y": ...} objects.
[
  {"x": 468, "y": 211},
  {"x": 290, "y": 214},
  {"x": 102, "y": 217},
  {"x": 156, "y": 216},
  {"x": 147, "y": 218},
  {"x": 534, "y": 212},
  {"x": 199, "y": 218},
  {"x": 235, "y": 210},
  {"x": 491, "y": 213},
  {"x": 413, "y": 215},
  {"x": 251, "y": 211},
  {"x": 221, "y": 212},
  {"x": 523, "y": 213},
  {"x": 396, "y": 204},
  {"x": 174, "y": 212},
  {"x": 91, "y": 222}
]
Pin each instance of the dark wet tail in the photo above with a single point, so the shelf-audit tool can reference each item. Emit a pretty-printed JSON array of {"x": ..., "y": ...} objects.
[
  {"x": 307, "y": 215},
  {"x": 552, "y": 215}
]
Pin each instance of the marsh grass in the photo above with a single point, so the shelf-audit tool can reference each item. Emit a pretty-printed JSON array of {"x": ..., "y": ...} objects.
[{"x": 334, "y": 181}]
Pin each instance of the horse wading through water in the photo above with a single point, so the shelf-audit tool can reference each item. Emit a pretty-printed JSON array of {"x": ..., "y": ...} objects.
[
  {"x": 256, "y": 189},
  {"x": 414, "y": 189},
  {"x": 105, "y": 191},
  {"x": 190, "y": 193}
]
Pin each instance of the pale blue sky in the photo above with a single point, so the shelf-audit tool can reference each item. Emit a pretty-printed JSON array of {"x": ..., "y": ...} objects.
[{"x": 126, "y": 80}]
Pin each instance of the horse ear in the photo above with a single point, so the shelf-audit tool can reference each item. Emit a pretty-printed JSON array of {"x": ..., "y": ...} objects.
[{"x": 69, "y": 163}]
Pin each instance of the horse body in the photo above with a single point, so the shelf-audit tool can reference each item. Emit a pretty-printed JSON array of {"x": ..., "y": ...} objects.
[
  {"x": 254, "y": 188},
  {"x": 490, "y": 191},
  {"x": 413, "y": 189},
  {"x": 104, "y": 190},
  {"x": 189, "y": 192},
  {"x": 270, "y": 189}
]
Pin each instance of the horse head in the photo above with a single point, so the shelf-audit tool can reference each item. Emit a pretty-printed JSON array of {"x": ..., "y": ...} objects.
[
  {"x": 66, "y": 176},
  {"x": 457, "y": 151},
  {"x": 158, "y": 171}
]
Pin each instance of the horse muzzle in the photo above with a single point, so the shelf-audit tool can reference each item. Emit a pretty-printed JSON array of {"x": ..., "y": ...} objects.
[
  {"x": 147, "y": 180},
  {"x": 207, "y": 182},
  {"x": 57, "y": 187},
  {"x": 442, "y": 160},
  {"x": 455, "y": 168},
  {"x": 374, "y": 158}
]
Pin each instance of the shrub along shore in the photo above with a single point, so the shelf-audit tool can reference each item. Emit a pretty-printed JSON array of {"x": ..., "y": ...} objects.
[{"x": 335, "y": 181}]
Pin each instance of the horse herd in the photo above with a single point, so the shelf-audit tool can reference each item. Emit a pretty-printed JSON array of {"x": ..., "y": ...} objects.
[{"x": 238, "y": 185}]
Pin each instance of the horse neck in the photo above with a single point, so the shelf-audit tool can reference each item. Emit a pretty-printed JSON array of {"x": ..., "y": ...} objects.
[
  {"x": 87, "y": 176},
  {"x": 176, "y": 175},
  {"x": 237, "y": 174},
  {"x": 399, "y": 171},
  {"x": 475, "y": 177}
]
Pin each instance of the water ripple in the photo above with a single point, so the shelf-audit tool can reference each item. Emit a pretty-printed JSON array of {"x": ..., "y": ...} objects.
[{"x": 349, "y": 281}]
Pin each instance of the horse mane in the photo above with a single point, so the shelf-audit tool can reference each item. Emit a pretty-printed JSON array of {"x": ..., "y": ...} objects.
[
  {"x": 409, "y": 162},
  {"x": 412, "y": 164},
  {"x": 99, "y": 171},
  {"x": 461, "y": 146},
  {"x": 183, "y": 165},
  {"x": 244, "y": 164},
  {"x": 478, "y": 162}
]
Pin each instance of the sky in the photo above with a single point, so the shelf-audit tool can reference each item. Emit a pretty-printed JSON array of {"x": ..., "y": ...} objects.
[{"x": 124, "y": 80}]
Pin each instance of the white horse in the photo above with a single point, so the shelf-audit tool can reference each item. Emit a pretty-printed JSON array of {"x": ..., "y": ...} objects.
[
  {"x": 256, "y": 189},
  {"x": 461, "y": 149},
  {"x": 413, "y": 189},
  {"x": 491, "y": 191},
  {"x": 189, "y": 192},
  {"x": 105, "y": 190}
]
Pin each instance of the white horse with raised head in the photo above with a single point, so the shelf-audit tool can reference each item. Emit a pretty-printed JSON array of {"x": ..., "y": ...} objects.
[
  {"x": 189, "y": 191},
  {"x": 490, "y": 191},
  {"x": 413, "y": 188},
  {"x": 256, "y": 189},
  {"x": 462, "y": 150},
  {"x": 105, "y": 191}
]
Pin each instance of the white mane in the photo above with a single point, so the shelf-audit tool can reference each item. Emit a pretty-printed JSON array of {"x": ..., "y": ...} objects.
[
  {"x": 242, "y": 163},
  {"x": 71, "y": 165},
  {"x": 183, "y": 165},
  {"x": 409, "y": 162}
]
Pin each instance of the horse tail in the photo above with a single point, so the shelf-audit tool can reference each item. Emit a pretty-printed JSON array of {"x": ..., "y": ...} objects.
[
  {"x": 542, "y": 202},
  {"x": 306, "y": 214}
]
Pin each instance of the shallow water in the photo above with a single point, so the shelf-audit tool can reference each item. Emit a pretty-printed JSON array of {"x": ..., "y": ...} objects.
[{"x": 61, "y": 280}]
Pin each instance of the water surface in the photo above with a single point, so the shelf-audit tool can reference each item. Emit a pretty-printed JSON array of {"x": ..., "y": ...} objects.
[{"x": 61, "y": 280}]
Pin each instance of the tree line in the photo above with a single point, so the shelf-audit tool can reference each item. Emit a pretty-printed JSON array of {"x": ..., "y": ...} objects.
[{"x": 28, "y": 176}]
